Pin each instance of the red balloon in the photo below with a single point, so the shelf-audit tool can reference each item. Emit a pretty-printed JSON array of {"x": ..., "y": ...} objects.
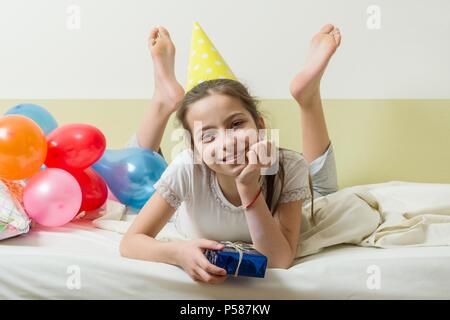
[
  {"x": 74, "y": 146},
  {"x": 93, "y": 189}
]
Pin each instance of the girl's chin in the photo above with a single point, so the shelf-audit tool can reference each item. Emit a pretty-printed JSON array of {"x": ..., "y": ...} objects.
[{"x": 233, "y": 169}]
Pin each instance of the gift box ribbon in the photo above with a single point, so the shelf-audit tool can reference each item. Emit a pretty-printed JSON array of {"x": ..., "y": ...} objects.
[{"x": 240, "y": 247}]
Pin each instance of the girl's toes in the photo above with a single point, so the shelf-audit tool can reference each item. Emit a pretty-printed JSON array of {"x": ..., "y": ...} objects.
[
  {"x": 164, "y": 31},
  {"x": 153, "y": 36},
  {"x": 336, "y": 33},
  {"x": 327, "y": 28}
]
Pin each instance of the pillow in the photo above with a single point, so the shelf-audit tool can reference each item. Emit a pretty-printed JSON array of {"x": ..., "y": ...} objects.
[{"x": 13, "y": 219}]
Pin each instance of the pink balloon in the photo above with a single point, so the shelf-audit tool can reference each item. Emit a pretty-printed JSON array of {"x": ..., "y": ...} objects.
[{"x": 52, "y": 197}]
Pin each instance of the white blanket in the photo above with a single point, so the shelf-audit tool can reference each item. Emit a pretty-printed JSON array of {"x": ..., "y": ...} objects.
[{"x": 382, "y": 215}]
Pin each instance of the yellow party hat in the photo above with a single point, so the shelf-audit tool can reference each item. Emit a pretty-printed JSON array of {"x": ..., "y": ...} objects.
[{"x": 205, "y": 62}]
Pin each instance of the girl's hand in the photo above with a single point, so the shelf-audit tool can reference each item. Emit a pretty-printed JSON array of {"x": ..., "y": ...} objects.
[
  {"x": 260, "y": 155},
  {"x": 192, "y": 259}
]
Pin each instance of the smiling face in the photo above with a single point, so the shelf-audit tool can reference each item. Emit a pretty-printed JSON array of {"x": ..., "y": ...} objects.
[{"x": 222, "y": 131}]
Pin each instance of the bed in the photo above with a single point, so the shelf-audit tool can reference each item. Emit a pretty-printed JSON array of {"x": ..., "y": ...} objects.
[{"x": 80, "y": 261}]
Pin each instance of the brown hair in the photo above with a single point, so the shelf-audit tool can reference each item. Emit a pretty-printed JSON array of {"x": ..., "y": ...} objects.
[{"x": 237, "y": 90}]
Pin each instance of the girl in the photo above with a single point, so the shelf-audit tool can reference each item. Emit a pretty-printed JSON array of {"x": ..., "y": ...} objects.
[{"x": 223, "y": 196}]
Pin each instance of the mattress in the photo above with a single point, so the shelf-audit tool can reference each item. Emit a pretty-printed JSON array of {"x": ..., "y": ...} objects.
[{"x": 80, "y": 261}]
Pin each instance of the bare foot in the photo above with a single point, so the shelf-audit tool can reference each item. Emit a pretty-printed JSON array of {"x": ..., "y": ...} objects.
[
  {"x": 306, "y": 84},
  {"x": 167, "y": 89}
]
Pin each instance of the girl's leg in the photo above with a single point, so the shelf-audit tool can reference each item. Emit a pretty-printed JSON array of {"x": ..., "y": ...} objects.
[
  {"x": 305, "y": 88},
  {"x": 167, "y": 90}
]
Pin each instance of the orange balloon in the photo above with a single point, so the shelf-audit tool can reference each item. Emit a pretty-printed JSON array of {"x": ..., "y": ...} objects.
[{"x": 23, "y": 147}]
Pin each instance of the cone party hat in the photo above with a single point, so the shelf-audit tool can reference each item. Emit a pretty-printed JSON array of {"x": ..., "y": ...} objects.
[{"x": 205, "y": 62}]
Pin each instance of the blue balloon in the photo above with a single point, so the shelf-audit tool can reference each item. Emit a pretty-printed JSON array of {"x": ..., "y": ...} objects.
[
  {"x": 38, "y": 114},
  {"x": 131, "y": 173}
]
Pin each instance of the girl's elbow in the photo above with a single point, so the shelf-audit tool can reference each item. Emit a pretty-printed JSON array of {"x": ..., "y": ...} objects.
[
  {"x": 124, "y": 247},
  {"x": 285, "y": 265},
  {"x": 282, "y": 264}
]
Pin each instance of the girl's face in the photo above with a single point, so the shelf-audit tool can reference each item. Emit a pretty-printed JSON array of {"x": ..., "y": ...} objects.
[{"x": 222, "y": 131}]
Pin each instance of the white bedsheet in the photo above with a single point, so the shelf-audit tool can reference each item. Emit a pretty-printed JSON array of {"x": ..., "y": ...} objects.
[
  {"x": 412, "y": 219},
  {"x": 385, "y": 215},
  {"x": 38, "y": 265}
]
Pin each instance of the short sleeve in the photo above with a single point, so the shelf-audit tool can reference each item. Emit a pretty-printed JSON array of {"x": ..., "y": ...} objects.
[
  {"x": 296, "y": 178},
  {"x": 133, "y": 142},
  {"x": 175, "y": 184}
]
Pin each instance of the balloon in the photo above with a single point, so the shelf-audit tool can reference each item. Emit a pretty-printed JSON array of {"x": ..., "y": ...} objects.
[
  {"x": 43, "y": 167},
  {"x": 38, "y": 114},
  {"x": 93, "y": 189},
  {"x": 111, "y": 195},
  {"x": 74, "y": 146},
  {"x": 52, "y": 197},
  {"x": 22, "y": 147},
  {"x": 130, "y": 174}
]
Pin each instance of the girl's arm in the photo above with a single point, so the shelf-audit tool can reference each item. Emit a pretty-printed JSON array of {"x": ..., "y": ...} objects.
[
  {"x": 276, "y": 237},
  {"x": 139, "y": 241},
  {"x": 284, "y": 228}
]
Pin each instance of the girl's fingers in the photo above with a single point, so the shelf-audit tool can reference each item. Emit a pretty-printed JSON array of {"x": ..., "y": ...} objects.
[
  {"x": 207, "y": 277},
  {"x": 210, "y": 244},
  {"x": 271, "y": 153},
  {"x": 250, "y": 141},
  {"x": 242, "y": 149},
  {"x": 196, "y": 277},
  {"x": 252, "y": 164},
  {"x": 211, "y": 268},
  {"x": 270, "y": 150},
  {"x": 203, "y": 275},
  {"x": 252, "y": 158},
  {"x": 265, "y": 152}
]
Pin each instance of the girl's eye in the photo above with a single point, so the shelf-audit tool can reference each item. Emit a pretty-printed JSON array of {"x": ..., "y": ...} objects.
[
  {"x": 207, "y": 137},
  {"x": 237, "y": 123}
]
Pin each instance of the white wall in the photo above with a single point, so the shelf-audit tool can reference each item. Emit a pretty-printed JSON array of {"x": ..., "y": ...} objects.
[{"x": 264, "y": 42}]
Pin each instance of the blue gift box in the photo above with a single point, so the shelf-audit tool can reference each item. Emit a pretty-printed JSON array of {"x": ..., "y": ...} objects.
[{"x": 239, "y": 259}]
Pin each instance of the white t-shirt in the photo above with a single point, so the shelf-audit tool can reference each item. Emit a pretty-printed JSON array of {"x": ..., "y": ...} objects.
[{"x": 202, "y": 209}]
